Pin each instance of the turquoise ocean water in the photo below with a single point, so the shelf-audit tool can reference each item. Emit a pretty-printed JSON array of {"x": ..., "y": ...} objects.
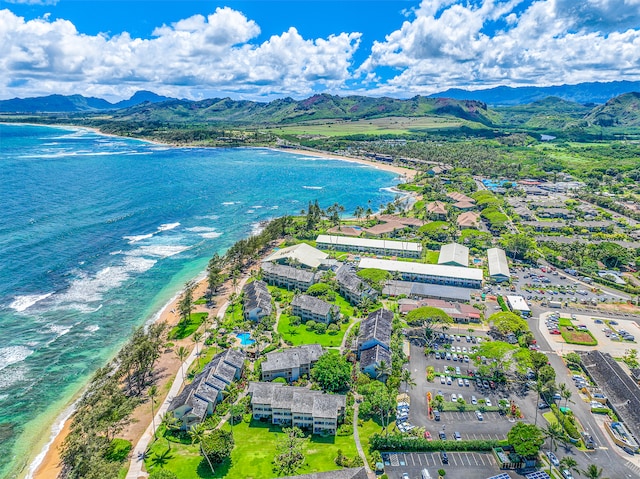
[{"x": 98, "y": 233}]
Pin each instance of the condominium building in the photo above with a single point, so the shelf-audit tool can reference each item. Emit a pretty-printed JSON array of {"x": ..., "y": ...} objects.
[
  {"x": 291, "y": 363},
  {"x": 403, "y": 249},
  {"x": 314, "y": 309}
]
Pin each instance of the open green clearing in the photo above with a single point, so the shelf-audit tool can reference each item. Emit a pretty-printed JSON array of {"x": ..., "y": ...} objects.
[
  {"x": 185, "y": 330},
  {"x": 298, "y": 335},
  {"x": 376, "y": 126},
  {"x": 255, "y": 448}
]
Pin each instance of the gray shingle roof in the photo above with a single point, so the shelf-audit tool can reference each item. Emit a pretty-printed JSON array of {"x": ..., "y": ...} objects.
[
  {"x": 373, "y": 356},
  {"x": 313, "y": 304},
  {"x": 234, "y": 357},
  {"x": 297, "y": 399},
  {"x": 376, "y": 326},
  {"x": 293, "y": 357},
  {"x": 349, "y": 280},
  {"x": 297, "y": 274}
]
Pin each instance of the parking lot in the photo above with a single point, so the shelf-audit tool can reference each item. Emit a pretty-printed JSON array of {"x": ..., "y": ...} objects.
[{"x": 462, "y": 465}]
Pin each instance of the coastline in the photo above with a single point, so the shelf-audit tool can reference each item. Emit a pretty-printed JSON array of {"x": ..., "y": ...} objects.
[{"x": 45, "y": 463}]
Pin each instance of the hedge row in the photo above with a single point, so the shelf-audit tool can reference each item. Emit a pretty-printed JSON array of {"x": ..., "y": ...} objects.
[{"x": 398, "y": 442}]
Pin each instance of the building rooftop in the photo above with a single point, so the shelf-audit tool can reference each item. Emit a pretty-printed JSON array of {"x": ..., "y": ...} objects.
[
  {"x": 437, "y": 207},
  {"x": 468, "y": 218},
  {"x": 402, "y": 220},
  {"x": 369, "y": 243},
  {"x": 454, "y": 253},
  {"x": 376, "y": 326},
  {"x": 373, "y": 356},
  {"x": 313, "y": 304},
  {"x": 410, "y": 267},
  {"x": 292, "y": 357},
  {"x": 284, "y": 271},
  {"x": 498, "y": 264},
  {"x": 518, "y": 303},
  {"x": 297, "y": 399},
  {"x": 350, "y": 281},
  {"x": 385, "y": 228},
  {"x": 300, "y": 253},
  {"x": 457, "y": 196},
  {"x": 424, "y": 290}
]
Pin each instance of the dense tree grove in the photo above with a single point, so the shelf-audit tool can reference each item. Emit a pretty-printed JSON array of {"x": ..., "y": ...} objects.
[
  {"x": 526, "y": 439},
  {"x": 333, "y": 372},
  {"x": 105, "y": 408}
]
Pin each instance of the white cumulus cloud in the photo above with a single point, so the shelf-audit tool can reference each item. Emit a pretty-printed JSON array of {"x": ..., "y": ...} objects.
[
  {"x": 451, "y": 43},
  {"x": 194, "y": 57}
]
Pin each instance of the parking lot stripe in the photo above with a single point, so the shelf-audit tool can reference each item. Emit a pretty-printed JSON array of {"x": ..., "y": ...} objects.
[
  {"x": 420, "y": 459},
  {"x": 468, "y": 458},
  {"x": 412, "y": 459}
]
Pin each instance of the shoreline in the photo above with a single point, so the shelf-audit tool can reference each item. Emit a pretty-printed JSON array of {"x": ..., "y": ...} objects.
[{"x": 46, "y": 463}]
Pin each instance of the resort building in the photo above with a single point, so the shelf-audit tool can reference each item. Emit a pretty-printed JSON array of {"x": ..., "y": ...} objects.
[
  {"x": 457, "y": 197},
  {"x": 300, "y": 254},
  {"x": 375, "y": 330},
  {"x": 409, "y": 289},
  {"x": 256, "y": 301},
  {"x": 374, "y": 341},
  {"x": 314, "y": 309},
  {"x": 454, "y": 254},
  {"x": 403, "y": 220},
  {"x": 468, "y": 219},
  {"x": 289, "y": 277},
  {"x": 352, "y": 287},
  {"x": 464, "y": 205},
  {"x": 297, "y": 406},
  {"x": 403, "y": 249},
  {"x": 459, "y": 312},
  {"x": 518, "y": 304},
  {"x": 371, "y": 359},
  {"x": 199, "y": 399},
  {"x": 383, "y": 229},
  {"x": 291, "y": 363},
  {"x": 428, "y": 273},
  {"x": 498, "y": 265},
  {"x": 437, "y": 210}
]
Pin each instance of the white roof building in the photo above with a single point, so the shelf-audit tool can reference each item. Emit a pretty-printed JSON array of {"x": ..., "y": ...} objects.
[
  {"x": 428, "y": 273},
  {"x": 404, "y": 249},
  {"x": 518, "y": 303},
  {"x": 454, "y": 254},
  {"x": 498, "y": 265},
  {"x": 301, "y": 253}
]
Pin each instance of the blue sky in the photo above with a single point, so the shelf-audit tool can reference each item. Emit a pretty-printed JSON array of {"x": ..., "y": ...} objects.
[{"x": 265, "y": 49}]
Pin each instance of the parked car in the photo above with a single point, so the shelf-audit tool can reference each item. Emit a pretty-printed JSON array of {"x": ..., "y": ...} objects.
[
  {"x": 427, "y": 436},
  {"x": 479, "y": 416},
  {"x": 474, "y": 400},
  {"x": 553, "y": 458},
  {"x": 566, "y": 473},
  {"x": 442, "y": 436},
  {"x": 457, "y": 436},
  {"x": 443, "y": 457},
  {"x": 454, "y": 397},
  {"x": 488, "y": 402},
  {"x": 466, "y": 382},
  {"x": 460, "y": 382}
]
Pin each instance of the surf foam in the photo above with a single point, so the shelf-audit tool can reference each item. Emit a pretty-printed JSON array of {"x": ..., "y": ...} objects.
[{"x": 22, "y": 303}]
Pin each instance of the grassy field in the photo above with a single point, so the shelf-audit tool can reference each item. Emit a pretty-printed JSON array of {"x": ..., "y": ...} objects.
[
  {"x": 194, "y": 323},
  {"x": 255, "y": 448},
  {"x": 376, "y": 126},
  {"x": 299, "y": 335}
]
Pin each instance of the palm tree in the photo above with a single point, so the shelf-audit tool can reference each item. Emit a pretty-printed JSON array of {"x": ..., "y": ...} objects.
[
  {"x": 407, "y": 379},
  {"x": 197, "y": 434},
  {"x": 182, "y": 354},
  {"x": 592, "y": 472},
  {"x": 540, "y": 388},
  {"x": 171, "y": 423},
  {"x": 383, "y": 369},
  {"x": 152, "y": 393},
  {"x": 569, "y": 463},
  {"x": 566, "y": 393},
  {"x": 196, "y": 339},
  {"x": 554, "y": 433}
]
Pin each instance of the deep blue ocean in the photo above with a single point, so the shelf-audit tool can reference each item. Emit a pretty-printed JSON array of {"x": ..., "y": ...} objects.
[{"x": 98, "y": 233}]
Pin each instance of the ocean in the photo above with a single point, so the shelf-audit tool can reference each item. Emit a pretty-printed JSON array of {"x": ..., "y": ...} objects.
[{"x": 98, "y": 233}]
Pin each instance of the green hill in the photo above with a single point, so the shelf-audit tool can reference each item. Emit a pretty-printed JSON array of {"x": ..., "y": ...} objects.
[
  {"x": 551, "y": 113},
  {"x": 621, "y": 111}
]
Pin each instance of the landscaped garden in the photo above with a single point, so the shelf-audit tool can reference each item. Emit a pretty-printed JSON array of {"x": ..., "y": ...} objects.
[
  {"x": 252, "y": 456},
  {"x": 573, "y": 335}
]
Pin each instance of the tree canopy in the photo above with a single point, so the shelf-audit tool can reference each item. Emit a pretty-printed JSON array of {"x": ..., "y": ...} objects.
[
  {"x": 507, "y": 322},
  {"x": 217, "y": 445},
  {"x": 374, "y": 277},
  {"x": 289, "y": 449},
  {"x": 333, "y": 372},
  {"x": 526, "y": 439},
  {"x": 427, "y": 315}
]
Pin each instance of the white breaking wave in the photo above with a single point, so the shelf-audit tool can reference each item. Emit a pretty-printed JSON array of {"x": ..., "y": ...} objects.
[
  {"x": 251, "y": 211},
  {"x": 135, "y": 238},
  {"x": 92, "y": 328},
  {"x": 211, "y": 235},
  {"x": 201, "y": 229},
  {"x": 159, "y": 250},
  {"x": 13, "y": 354},
  {"x": 313, "y": 187},
  {"x": 168, "y": 226},
  {"x": 58, "y": 329},
  {"x": 21, "y": 303},
  {"x": 257, "y": 207},
  {"x": 228, "y": 203}
]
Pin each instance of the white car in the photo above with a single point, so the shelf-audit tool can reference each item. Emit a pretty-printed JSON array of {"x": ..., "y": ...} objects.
[
  {"x": 460, "y": 382},
  {"x": 488, "y": 402},
  {"x": 474, "y": 400},
  {"x": 454, "y": 397},
  {"x": 442, "y": 380}
]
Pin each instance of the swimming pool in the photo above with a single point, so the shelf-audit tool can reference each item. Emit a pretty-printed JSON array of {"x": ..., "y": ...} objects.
[{"x": 245, "y": 339}]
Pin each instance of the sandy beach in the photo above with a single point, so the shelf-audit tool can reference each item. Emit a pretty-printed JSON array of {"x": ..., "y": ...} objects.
[{"x": 407, "y": 173}]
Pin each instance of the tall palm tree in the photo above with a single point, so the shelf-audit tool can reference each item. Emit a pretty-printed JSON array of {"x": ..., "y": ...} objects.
[
  {"x": 540, "y": 388},
  {"x": 554, "y": 433},
  {"x": 197, "y": 434},
  {"x": 383, "y": 369},
  {"x": 569, "y": 463},
  {"x": 182, "y": 354},
  {"x": 565, "y": 393},
  {"x": 407, "y": 379},
  {"x": 171, "y": 423},
  {"x": 592, "y": 472},
  {"x": 196, "y": 339},
  {"x": 152, "y": 393}
]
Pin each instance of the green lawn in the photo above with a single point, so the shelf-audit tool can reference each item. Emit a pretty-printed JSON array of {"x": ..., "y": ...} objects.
[
  {"x": 181, "y": 332},
  {"x": 255, "y": 448},
  {"x": 366, "y": 430},
  {"x": 298, "y": 335},
  {"x": 431, "y": 257}
]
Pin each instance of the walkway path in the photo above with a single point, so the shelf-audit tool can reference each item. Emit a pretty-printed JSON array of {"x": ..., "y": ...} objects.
[
  {"x": 139, "y": 452},
  {"x": 346, "y": 334},
  {"x": 356, "y": 438}
]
